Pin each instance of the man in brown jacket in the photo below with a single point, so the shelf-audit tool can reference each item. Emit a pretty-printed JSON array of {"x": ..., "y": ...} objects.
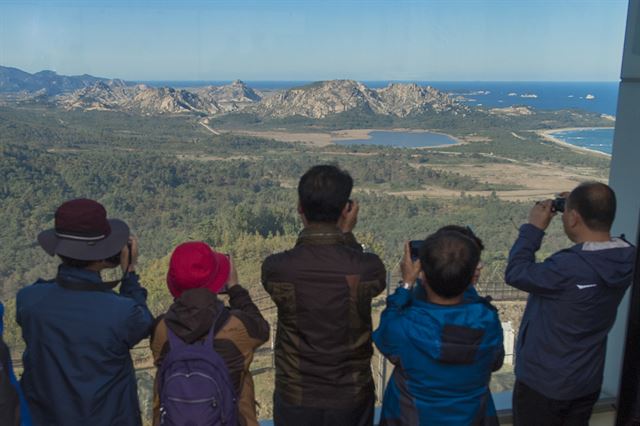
[
  {"x": 323, "y": 289},
  {"x": 196, "y": 274}
]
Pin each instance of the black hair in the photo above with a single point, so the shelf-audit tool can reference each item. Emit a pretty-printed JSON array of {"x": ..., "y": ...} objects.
[
  {"x": 464, "y": 230},
  {"x": 323, "y": 191},
  {"x": 595, "y": 202},
  {"x": 75, "y": 263},
  {"x": 449, "y": 260}
]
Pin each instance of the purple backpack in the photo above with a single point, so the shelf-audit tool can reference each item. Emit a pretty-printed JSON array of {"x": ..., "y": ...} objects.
[{"x": 194, "y": 385}]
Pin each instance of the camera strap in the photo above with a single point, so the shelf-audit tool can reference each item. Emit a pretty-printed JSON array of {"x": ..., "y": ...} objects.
[{"x": 86, "y": 286}]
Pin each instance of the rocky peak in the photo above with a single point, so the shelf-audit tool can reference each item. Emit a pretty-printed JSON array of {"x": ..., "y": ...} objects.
[{"x": 317, "y": 100}]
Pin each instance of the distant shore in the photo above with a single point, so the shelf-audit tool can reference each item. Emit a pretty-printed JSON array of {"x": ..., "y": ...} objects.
[
  {"x": 549, "y": 135},
  {"x": 322, "y": 139}
]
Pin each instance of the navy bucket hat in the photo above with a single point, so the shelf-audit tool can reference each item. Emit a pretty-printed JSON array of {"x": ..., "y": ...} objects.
[{"x": 83, "y": 232}]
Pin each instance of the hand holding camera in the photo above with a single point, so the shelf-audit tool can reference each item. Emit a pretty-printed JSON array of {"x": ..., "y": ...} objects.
[{"x": 129, "y": 255}]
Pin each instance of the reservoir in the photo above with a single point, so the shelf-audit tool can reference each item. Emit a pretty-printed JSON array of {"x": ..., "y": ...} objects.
[{"x": 401, "y": 139}]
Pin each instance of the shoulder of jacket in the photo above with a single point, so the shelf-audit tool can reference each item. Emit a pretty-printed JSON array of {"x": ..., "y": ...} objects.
[
  {"x": 370, "y": 257},
  {"x": 275, "y": 258},
  {"x": 38, "y": 285}
]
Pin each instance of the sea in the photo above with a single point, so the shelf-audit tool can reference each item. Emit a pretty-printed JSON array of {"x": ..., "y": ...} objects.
[{"x": 600, "y": 97}]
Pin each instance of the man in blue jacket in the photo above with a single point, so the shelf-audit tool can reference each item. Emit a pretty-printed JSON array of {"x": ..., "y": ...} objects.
[
  {"x": 573, "y": 300},
  {"x": 77, "y": 330},
  {"x": 444, "y": 347}
]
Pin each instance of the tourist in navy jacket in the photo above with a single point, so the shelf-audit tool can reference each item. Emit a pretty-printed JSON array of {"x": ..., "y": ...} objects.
[
  {"x": 573, "y": 300},
  {"x": 77, "y": 330},
  {"x": 445, "y": 347}
]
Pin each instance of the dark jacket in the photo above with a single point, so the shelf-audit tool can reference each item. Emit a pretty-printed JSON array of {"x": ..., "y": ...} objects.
[
  {"x": 323, "y": 289},
  {"x": 240, "y": 330},
  {"x": 9, "y": 400},
  {"x": 443, "y": 357},
  {"x": 573, "y": 301},
  {"x": 77, "y": 366},
  {"x": 13, "y": 409}
]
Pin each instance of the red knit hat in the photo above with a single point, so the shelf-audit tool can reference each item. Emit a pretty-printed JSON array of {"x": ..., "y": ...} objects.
[{"x": 196, "y": 265}]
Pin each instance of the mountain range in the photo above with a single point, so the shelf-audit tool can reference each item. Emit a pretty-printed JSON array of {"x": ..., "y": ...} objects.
[
  {"x": 316, "y": 100},
  {"x": 45, "y": 82}
]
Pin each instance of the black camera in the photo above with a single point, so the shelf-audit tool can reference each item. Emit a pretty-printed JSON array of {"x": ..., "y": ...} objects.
[
  {"x": 116, "y": 258},
  {"x": 558, "y": 204}
]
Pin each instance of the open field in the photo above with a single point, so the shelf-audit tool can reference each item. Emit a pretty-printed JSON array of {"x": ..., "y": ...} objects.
[
  {"x": 539, "y": 180},
  {"x": 321, "y": 139}
]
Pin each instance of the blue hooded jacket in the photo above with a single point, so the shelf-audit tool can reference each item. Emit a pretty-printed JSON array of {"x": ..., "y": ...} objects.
[
  {"x": 77, "y": 366},
  {"x": 573, "y": 301},
  {"x": 443, "y": 357}
]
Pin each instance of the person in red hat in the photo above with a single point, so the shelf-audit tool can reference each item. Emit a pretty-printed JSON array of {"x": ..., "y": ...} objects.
[
  {"x": 197, "y": 274},
  {"x": 78, "y": 331}
]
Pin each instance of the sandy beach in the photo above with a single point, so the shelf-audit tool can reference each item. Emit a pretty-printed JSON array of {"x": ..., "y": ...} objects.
[{"x": 549, "y": 135}]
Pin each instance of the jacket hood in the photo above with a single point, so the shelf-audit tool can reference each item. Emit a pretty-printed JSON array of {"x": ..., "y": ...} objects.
[
  {"x": 612, "y": 260},
  {"x": 191, "y": 315}
]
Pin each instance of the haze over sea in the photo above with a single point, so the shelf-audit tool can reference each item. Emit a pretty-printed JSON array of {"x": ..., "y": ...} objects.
[{"x": 600, "y": 97}]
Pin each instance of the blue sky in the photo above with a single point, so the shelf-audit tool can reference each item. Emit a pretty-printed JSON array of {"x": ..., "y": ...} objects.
[{"x": 544, "y": 40}]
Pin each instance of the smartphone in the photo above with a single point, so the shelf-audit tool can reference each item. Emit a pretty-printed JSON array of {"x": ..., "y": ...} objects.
[{"x": 414, "y": 248}]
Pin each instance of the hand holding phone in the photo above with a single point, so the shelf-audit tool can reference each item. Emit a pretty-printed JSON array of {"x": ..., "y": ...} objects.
[
  {"x": 414, "y": 248},
  {"x": 233, "y": 276},
  {"x": 410, "y": 266}
]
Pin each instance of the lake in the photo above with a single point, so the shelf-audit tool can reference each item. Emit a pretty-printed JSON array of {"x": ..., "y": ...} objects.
[{"x": 401, "y": 139}]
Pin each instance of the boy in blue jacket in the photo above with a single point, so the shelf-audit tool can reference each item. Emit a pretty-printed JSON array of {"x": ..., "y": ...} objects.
[
  {"x": 445, "y": 347},
  {"x": 573, "y": 301}
]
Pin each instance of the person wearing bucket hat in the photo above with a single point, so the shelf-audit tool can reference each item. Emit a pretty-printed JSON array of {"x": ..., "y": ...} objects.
[
  {"x": 78, "y": 331},
  {"x": 197, "y": 274}
]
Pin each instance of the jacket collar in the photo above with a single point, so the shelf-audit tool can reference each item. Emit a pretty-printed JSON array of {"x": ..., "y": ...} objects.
[
  {"x": 69, "y": 273},
  {"x": 321, "y": 234}
]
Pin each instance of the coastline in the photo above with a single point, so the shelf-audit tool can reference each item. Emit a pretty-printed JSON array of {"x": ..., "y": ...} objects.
[{"x": 549, "y": 135}]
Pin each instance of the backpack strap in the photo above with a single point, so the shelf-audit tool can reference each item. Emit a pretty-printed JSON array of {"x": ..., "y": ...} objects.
[
  {"x": 174, "y": 341},
  {"x": 212, "y": 331}
]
